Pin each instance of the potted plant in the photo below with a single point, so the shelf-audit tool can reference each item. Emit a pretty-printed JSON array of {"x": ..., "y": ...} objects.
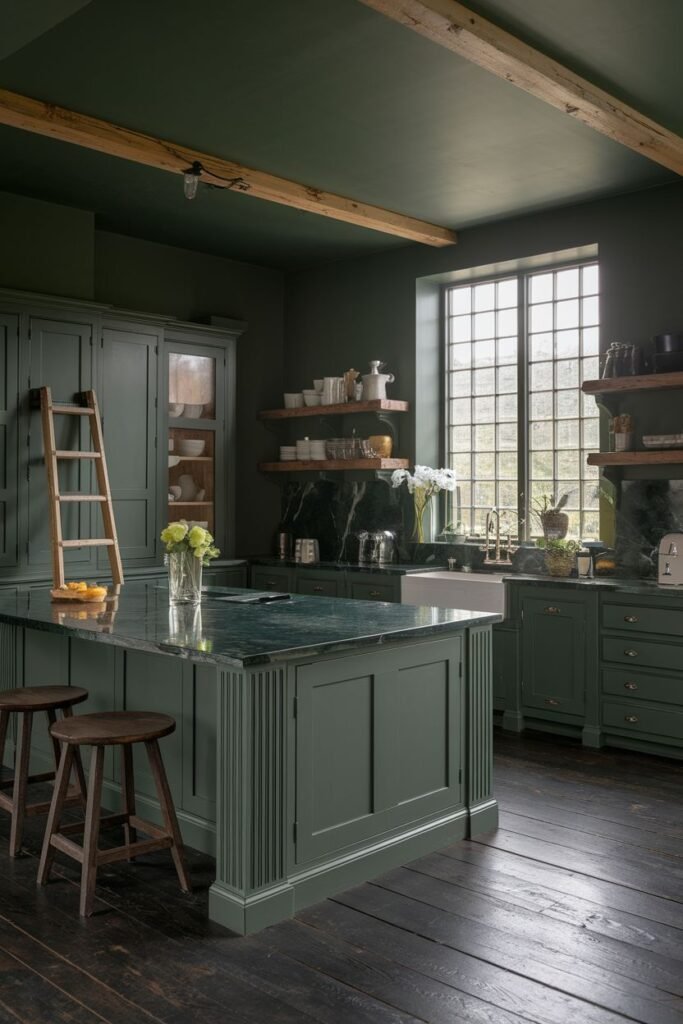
[
  {"x": 554, "y": 522},
  {"x": 454, "y": 533},
  {"x": 560, "y": 556}
]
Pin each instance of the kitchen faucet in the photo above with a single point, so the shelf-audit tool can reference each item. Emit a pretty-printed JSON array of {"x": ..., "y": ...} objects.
[{"x": 496, "y": 560}]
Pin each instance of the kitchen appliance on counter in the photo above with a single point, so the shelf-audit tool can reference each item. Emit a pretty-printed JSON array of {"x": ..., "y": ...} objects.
[
  {"x": 376, "y": 547},
  {"x": 670, "y": 560},
  {"x": 306, "y": 550},
  {"x": 284, "y": 544},
  {"x": 668, "y": 352}
]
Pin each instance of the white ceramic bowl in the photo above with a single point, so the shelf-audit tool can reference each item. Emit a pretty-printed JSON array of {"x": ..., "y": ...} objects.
[
  {"x": 318, "y": 385},
  {"x": 173, "y": 460},
  {"x": 175, "y": 491},
  {"x": 294, "y": 400},
  {"x": 191, "y": 448},
  {"x": 312, "y": 398},
  {"x": 175, "y": 409}
]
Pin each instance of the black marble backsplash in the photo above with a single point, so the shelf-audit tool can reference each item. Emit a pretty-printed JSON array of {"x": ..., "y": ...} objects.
[{"x": 647, "y": 509}]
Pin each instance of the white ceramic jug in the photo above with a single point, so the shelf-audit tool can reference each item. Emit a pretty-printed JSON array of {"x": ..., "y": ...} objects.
[{"x": 375, "y": 383}]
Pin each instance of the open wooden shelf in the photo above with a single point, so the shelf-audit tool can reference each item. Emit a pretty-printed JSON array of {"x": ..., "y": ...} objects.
[
  {"x": 644, "y": 382},
  {"x": 184, "y": 503},
  {"x": 343, "y": 409},
  {"x": 319, "y": 465},
  {"x": 669, "y": 457}
]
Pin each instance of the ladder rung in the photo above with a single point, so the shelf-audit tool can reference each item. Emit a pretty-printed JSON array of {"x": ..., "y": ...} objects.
[
  {"x": 81, "y": 497},
  {"x": 72, "y": 410},
  {"x": 77, "y": 455},
  {"x": 92, "y": 542}
]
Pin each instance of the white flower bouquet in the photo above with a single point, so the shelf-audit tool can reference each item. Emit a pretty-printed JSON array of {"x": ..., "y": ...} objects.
[{"x": 423, "y": 484}]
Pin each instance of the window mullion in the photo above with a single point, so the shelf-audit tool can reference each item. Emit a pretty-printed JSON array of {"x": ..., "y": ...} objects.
[{"x": 522, "y": 408}]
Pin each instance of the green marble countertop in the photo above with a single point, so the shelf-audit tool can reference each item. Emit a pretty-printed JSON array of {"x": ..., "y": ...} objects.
[
  {"x": 613, "y": 584},
  {"x": 239, "y": 635},
  {"x": 390, "y": 569}
]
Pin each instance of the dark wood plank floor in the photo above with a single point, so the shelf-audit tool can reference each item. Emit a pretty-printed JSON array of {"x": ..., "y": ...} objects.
[{"x": 569, "y": 914}]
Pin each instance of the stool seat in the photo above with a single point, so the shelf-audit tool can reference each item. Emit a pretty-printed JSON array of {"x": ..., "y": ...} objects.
[
  {"x": 109, "y": 728},
  {"x": 41, "y": 698}
]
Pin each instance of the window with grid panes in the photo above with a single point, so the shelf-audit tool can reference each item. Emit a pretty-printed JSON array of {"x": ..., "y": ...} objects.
[{"x": 518, "y": 425}]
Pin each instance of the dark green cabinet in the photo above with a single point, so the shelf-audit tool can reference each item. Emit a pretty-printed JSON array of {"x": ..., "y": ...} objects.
[
  {"x": 320, "y": 584},
  {"x": 9, "y": 352},
  {"x": 504, "y": 646},
  {"x": 358, "y": 584},
  {"x": 384, "y": 589},
  {"x": 553, "y": 654},
  {"x": 128, "y": 401},
  {"x": 378, "y": 742},
  {"x": 61, "y": 357},
  {"x": 266, "y": 578}
]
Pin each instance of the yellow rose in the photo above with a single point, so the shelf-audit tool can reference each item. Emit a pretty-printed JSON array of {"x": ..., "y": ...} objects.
[
  {"x": 174, "y": 533},
  {"x": 198, "y": 537}
]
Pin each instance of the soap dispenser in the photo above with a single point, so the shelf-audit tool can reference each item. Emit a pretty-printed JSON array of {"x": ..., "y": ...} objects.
[{"x": 671, "y": 560}]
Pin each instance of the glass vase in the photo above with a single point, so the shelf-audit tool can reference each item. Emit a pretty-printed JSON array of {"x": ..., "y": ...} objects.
[
  {"x": 184, "y": 577},
  {"x": 425, "y": 513}
]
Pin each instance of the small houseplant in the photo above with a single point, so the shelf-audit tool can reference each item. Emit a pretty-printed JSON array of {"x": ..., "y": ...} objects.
[
  {"x": 560, "y": 556},
  {"x": 554, "y": 522},
  {"x": 423, "y": 484},
  {"x": 188, "y": 548}
]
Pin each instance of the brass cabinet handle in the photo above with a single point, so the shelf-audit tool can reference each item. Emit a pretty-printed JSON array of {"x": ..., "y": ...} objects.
[
  {"x": 551, "y": 610},
  {"x": 630, "y": 718},
  {"x": 630, "y": 618},
  {"x": 630, "y": 686},
  {"x": 551, "y": 700},
  {"x": 375, "y": 593},
  {"x": 630, "y": 653},
  {"x": 318, "y": 590},
  {"x": 271, "y": 583}
]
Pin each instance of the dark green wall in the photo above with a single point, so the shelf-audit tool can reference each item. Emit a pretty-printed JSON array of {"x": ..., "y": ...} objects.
[
  {"x": 56, "y": 250},
  {"x": 345, "y": 314}
]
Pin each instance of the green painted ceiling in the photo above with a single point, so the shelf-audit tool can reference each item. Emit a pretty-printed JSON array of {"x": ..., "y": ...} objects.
[{"x": 332, "y": 94}]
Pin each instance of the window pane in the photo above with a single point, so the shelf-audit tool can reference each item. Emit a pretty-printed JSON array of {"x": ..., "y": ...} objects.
[
  {"x": 484, "y": 381},
  {"x": 542, "y": 465},
  {"x": 542, "y": 405},
  {"x": 542, "y": 317},
  {"x": 590, "y": 279},
  {"x": 461, "y": 328},
  {"x": 484, "y": 325},
  {"x": 590, "y": 369},
  {"x": 460, "y": 300},
  {"x": 507, "y": 466},
  {"x": 506, "y": 379},
  {"x": 461, "y": 356},
  {"x": 485, "y": 466},
  {"x": 484, "y": 297},
  {"x": 460, "y": 439},
  {"x": 507, "y": 293},
  {"x": 566, "y": 344},
  {"x": 507, "y": 498},
  {"x": 484, "y": 410},
  {"x": 507, "y": 351},
  {"x": 541, "y": 376},
  {"x": 507, "y": 321},
  {"x": 541, "y": 287},
  {"x": 484, "y": 353},
  {"x": 506, "y": 407},
  {"x": 541, "y": 435},
  {"x": 568, "y": 465},
  {"x": 589, "y": 311},
  {"x": 506, "y": 438},
  {"x": 484, "y": 494},
  {"x": 567, "y": 283},
  {"x": 567, "y": 434},
  {"x": 567, "y": 373},
  {"x": 591, "y": 434},
  {"x": 567, "y": 404},
  {"x": 591, "y": 341},
  {"x": 567, "y": 314},
  {"x": 461, "y": 384},
  {"x": 541, "y": 346},
  {"x": 460, "y": 411},
  {"x": 484, "y": 437}
]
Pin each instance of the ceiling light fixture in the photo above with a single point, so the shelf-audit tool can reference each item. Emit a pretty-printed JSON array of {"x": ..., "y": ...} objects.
[{"x": 191, "y": 179}]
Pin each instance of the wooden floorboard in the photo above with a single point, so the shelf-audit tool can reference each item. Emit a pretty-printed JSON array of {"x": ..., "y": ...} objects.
[{"x": 569, "y": 913}]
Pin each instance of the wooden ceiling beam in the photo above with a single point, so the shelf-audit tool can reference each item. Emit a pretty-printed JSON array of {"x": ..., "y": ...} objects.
[
  {"x": 68, "y": 126},
  {"x": 456, "y": 27}
]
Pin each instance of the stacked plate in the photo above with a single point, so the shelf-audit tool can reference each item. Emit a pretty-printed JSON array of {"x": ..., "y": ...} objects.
[
  {"x": 288, "y": 453},
  {"x": 318, "y": 452},
  {"x": 303, "y": 450}
]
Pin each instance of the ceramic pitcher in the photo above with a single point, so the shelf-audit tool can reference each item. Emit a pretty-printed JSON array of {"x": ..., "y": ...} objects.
[{"x": 375, "y": 383}]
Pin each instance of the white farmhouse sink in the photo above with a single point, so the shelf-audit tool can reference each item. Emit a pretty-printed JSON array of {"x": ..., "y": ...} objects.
[{"x": 474, "y": 591}]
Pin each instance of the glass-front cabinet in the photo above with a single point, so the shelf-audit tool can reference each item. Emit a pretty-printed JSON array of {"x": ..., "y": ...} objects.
[{"x": 196, "y": 473}]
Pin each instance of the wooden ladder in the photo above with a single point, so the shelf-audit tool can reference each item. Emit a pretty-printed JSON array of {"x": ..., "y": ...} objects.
[{"x": 89, "y": 408}]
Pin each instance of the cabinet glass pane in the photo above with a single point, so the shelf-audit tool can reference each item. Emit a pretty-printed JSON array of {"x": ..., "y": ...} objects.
[
  {"x": 191, "y": 476},
  {"x": 191, "y": 386}
]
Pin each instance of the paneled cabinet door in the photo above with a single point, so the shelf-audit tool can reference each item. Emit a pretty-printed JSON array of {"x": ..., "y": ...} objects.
[
  {"x": 554, "y": 655},
  {"x": 9, "y": 380},
  {"x": 60, "y": 357},
  {"x": 127, "y": 395}
]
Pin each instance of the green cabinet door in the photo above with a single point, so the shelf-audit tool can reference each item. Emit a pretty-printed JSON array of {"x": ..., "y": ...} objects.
[
  {"x": 553, "y": 655},
  {"x": 504, "y": 657},
  {"x": 378, "y": 744},
  {"x": 320, "y": 584},
  {"x": 127, "y": 397},
  {"x": 363, "y": 588},
  {"x": 9, "y": 345},
  {"x": 60, "y": 357},
  {"x": 266, "y": 578}
]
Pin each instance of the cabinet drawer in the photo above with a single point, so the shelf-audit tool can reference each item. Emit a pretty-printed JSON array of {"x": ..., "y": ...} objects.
[
  {"x": 637, "y": 685},
  {"x": 631, "y": 651},
  {"x": 639, "y": 719},
  {"x": 369, "y": 591},
  {"x": 638, "y": 619},
  {"x": 264, "y": 578},
  {"x": 317, "y": 587}
]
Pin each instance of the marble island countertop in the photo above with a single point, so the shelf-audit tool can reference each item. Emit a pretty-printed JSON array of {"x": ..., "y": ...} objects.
[
  {"x": 241, "y": 635},
  {"x": 388, "y": 569}
]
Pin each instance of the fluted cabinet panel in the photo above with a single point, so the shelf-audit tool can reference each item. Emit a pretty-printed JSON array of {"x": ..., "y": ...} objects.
[{"x": 480, "y": 731}]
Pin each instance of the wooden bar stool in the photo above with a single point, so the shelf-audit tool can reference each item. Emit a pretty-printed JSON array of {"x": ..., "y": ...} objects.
[
  {"x": 111, "y": 728},
  {"x": 25, "y": 702}
]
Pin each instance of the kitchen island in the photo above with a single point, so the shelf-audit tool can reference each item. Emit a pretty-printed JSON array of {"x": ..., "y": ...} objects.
[{"x": 320, "y": 742}]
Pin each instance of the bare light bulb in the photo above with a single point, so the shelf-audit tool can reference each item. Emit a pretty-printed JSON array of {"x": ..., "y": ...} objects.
[{"x": 191, "y": 180}]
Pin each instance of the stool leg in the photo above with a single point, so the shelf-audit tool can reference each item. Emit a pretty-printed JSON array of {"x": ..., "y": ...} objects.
[
  {"x": 78, "y": 763},
  {"x": 128, "y": 792},
  {"x": 92, "y": 830},
  {"x": 4, "y": 722},
  {"x": 168, "y": 810},
  {"x": 55, "y": 813},
  {"x": 20, "y": 783}
]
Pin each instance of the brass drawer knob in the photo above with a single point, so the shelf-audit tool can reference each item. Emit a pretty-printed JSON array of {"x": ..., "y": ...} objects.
[
  {"x": 271, "y": 583},
  {"x": 630, "y": 653},
  {"x": 551, "y": 700},
  {"x": 630, "y": 618},
  {"x": 630, "y": 718},
  {"x": 630, "y": 686},
  {"x": 551, "y": 610}
]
